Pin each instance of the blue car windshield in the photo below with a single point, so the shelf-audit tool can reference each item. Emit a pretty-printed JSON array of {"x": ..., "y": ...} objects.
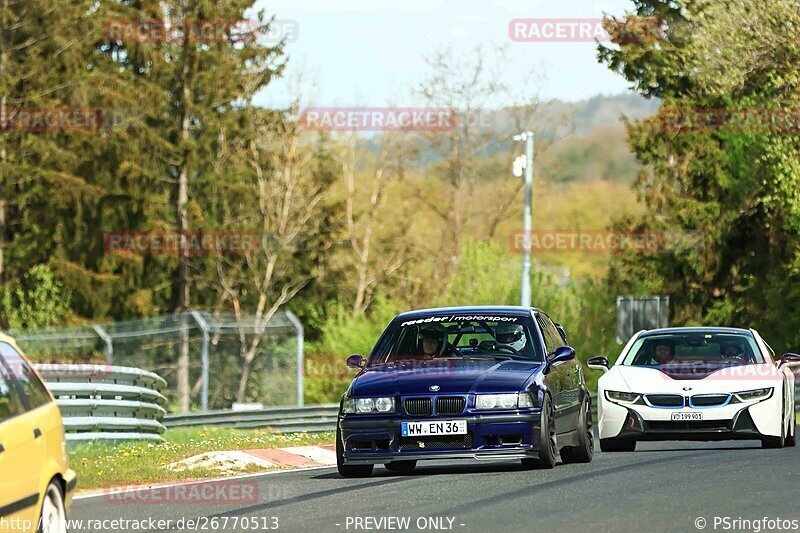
[{"x": 459, "y": 337}]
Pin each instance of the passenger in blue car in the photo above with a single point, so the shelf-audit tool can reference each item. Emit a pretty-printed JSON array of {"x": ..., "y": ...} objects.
[{"x": 512, "y": 336}]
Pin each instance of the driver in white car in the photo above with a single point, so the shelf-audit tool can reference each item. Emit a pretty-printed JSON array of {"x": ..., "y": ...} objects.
[
  {"x": 736, "y": 351},
  {"x": 663, "y": 354}
]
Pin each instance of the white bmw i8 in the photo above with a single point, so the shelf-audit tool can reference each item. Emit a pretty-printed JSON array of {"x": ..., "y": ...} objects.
[{"x": 696, "y": 384}]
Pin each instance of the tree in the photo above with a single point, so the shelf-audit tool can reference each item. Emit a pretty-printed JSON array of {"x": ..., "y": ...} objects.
[
  {"x": 36, "y": 301},
  {"x": 205, "y": 83},
  {"x": 378, "y": 247},
  {"x": 736, "y": 185},
  {"x": 278, "y": 192},
  {"x": 474, "y": 93}
]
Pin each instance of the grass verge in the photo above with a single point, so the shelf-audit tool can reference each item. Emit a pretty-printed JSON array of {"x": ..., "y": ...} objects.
[{"x": 101, "y": 465}]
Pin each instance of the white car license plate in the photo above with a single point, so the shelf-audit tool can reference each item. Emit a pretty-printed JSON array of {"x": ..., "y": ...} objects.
[
  {"x": 434, "y": 427},
  {"x": 687, "y": 417}
]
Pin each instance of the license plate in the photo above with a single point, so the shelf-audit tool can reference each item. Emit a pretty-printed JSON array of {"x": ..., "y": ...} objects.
[
  {"x": 434, "y": 427},
  {"x": 690, "y": 417}
]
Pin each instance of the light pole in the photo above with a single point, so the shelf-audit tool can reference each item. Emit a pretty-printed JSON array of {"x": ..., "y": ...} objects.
[{"x": 525, "y": 293}]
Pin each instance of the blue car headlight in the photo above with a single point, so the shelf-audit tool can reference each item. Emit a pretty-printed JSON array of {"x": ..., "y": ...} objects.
[
  {"x": 484, "y": 402},
  {"x": 369, "y": 405}
]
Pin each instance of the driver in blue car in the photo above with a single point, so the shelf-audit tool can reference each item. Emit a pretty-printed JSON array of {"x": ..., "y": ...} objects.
[{"x": 433, "y": 340}]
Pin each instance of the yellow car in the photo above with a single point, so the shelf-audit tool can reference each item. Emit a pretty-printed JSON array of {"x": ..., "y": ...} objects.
[{"x": 36, "y": 486}]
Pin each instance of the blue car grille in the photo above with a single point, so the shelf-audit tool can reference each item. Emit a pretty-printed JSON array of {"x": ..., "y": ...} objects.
[
  {"x": 418, "y": 406},
  {"x": 408, "y": 444},
  {"x": 450, "y": 405}
]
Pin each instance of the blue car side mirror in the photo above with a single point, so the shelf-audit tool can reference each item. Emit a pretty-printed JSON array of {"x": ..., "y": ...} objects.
[
  {"x": 561, "y": 355},
  {"x": 355, "y": 361}
]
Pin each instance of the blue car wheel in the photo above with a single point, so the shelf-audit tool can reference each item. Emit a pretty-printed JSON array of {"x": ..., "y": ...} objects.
[{"x": 547, "y": 443}]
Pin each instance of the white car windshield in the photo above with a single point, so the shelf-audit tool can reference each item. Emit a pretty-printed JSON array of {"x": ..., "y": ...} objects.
[{"x": 694, "y": 348}]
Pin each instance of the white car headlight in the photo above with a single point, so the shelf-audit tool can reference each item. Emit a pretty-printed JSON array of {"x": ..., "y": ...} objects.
[
  {"x": 369, "y": 405},
  {"x": 516, "y": 400},
  {"x": 755, "y": 394},
  {"x": 622, "y": 397}
]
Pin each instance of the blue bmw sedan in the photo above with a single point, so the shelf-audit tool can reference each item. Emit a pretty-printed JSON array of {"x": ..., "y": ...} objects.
[{"x": 485, "y": 383}]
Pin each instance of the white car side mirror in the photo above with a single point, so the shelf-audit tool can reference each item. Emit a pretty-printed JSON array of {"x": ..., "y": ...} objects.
[{"x": 599, "y": 363}]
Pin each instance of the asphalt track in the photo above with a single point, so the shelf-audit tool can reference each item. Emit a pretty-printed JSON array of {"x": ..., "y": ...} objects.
[{"x": 660, "y": 487}]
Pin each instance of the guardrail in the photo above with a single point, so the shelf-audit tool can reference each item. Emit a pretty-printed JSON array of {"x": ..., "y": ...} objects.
[
  {"x": 284, "y": 419},
  {"x": 111, "y": 403}
]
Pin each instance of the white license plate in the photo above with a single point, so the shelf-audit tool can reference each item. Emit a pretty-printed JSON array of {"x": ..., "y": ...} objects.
[
  {"x": 434, "y": 427},
  {"x": 687, "y": 417}
]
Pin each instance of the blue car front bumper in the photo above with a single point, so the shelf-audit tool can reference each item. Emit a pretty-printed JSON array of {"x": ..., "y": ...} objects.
[{"x": 368, "y": 439}]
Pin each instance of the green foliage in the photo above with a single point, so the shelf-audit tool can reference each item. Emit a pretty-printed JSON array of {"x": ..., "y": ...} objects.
[
  {"x": 600, "y": 155},
  {"x": 38, "y": 301},
  {"x": 341, "y": 334},
  {"x": 487, "y": 275}
]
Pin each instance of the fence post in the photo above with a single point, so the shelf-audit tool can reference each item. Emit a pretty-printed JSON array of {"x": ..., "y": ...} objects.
[
  {"x": 300, "y": 357},
  {"x": 106, "y": 338},
  {"x": 204, "y": 328}
]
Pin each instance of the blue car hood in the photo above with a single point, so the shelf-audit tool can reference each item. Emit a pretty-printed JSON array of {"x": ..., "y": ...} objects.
[{"x": 452, "y": 376}]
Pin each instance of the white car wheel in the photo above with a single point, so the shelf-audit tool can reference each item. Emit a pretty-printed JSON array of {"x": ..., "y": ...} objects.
[
  {"x": 777, "y": 442},
  {"x": 54, "y": 516}
]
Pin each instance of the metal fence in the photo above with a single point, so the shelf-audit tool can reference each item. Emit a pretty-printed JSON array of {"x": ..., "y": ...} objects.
[
  {"x": 283, "y": 419},
  {"x": 209, "y": 361},
  {"x": 106, "y": 402},
  {"x": 635, "y": 313}
]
